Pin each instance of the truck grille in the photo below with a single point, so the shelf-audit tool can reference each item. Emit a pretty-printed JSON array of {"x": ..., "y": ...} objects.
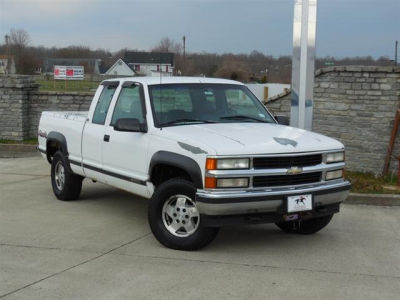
[
  {"x": 282, "y": 180},
  {"x": 286, "y": 161}
]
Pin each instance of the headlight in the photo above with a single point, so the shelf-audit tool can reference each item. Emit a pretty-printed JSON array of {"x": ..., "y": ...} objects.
[
  {"x": 227, "y": 163},
  {"x": 232, "y": 182},
  {"x": 236, "y": 163},
  {"x": 334, "y": 174},
  {"x": 335, "y": 157}
]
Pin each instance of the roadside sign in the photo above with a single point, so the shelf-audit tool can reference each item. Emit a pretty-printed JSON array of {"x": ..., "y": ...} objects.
[{"x": 69, "y": 72}]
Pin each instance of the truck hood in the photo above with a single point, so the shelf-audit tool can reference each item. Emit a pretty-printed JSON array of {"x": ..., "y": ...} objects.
[{"x": 248, "y": 138}]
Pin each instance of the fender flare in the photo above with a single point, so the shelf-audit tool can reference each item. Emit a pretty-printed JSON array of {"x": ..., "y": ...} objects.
[
  {"x": 185, "y": 163},
  {"x": 58, "y": 137}
]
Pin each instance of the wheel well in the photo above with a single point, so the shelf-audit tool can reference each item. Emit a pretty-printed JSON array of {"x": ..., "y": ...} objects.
[
  {"x": 51, "y": 148},
  {"x": 163, "y": 172}
]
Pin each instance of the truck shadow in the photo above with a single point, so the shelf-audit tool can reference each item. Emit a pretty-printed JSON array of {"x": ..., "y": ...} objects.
[{"x": 133, "y": 209}]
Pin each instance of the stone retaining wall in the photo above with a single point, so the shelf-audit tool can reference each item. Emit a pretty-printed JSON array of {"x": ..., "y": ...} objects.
[
  {"x": 14, "y": 102},
  {"x": 356, "y": 105},
  {"x": 41, "y": 101},
  {"x": 21, "y": 104}
]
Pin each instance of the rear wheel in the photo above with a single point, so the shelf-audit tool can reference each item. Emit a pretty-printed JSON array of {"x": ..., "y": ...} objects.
[
  {"x": 309, "y": 226},
  {"x": 66, "y": 185},
  {"x": 174, "y": 218}
]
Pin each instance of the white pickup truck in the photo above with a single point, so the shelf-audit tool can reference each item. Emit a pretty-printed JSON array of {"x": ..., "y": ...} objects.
[{"x": 206, "y": 153}]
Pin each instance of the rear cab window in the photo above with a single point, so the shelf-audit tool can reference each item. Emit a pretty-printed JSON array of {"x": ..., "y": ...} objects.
[{"x": 103, "y": 103}]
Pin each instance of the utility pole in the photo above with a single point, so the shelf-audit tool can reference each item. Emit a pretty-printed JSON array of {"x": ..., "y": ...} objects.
[
  {"x": 8, "y": 69},
  {"x": 395, "y": 53},
  {"x": 304, "y": 27},
  {"x": 184, "y": 54}
]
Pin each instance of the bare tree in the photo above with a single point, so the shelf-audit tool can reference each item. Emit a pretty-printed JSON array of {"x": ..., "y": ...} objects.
[
  {"x": 19, "y": 38},
  {"x": 168, "y": 45},
  {"x": 233, "y": 69}
]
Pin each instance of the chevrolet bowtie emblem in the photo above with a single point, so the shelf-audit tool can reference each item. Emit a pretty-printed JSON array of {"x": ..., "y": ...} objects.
[{"x": 295, "y": 171}]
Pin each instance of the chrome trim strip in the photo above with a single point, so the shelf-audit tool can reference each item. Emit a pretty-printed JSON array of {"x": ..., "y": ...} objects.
[
  {"x": 276, "y": 188},
  {"x": 270, "y": 172},
  {"x": 265, "y": 192}
]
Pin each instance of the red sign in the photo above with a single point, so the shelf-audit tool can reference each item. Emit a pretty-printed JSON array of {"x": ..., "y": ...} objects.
[{"x": 70, "y": 72}]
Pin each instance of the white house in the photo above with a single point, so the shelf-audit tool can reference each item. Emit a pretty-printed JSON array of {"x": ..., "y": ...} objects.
[
  {"x": 143, "y": 63},
  {"x": 120, "y": 68},
  {"x": 7, "y": 64}
]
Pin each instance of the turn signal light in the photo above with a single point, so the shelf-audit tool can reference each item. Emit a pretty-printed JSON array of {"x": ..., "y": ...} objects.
[
  {"x": 211, "y": 164},
  {"x": 210, "y": 183}
]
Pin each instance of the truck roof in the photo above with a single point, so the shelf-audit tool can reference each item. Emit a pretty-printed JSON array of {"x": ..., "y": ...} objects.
[{"x": 171, "y": 79}]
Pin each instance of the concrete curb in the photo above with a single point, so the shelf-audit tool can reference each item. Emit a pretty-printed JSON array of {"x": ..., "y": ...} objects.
[
  {"x": 374, "y": 199},
  {"x": 17, "y": 150}
]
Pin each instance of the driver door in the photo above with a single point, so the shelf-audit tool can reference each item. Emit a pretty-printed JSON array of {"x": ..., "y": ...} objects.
[{"x": 125, "y": 153}]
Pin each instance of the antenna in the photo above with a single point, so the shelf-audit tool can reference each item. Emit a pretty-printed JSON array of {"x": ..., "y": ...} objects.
[
  {"x": 160, "y": 66},
  {"x": 184, "y": 54}
]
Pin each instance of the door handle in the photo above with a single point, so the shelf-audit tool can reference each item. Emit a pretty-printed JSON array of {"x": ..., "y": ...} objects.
[{"x": 106, "y": 138}]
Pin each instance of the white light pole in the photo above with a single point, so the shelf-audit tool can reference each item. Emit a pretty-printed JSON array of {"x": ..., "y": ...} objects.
[{"x": 303, "y": 61}]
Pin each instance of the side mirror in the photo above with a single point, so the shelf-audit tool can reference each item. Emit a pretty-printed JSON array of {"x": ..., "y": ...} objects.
[
  {"x": 283, "y": 120},
  {"x": 130, "y": 125}
]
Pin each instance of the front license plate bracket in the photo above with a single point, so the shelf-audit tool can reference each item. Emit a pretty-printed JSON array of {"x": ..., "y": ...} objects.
[{"x": 299, "y": 203}]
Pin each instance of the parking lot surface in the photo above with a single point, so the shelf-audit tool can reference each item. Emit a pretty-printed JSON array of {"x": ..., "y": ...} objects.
[{"x": 100, "y": 247}]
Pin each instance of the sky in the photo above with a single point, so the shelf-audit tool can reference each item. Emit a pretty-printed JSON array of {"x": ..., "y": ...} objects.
[{"x": 344, "y": 27}]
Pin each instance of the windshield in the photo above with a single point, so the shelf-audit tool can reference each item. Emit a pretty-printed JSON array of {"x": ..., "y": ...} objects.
[{"x": 183, "y": 104}]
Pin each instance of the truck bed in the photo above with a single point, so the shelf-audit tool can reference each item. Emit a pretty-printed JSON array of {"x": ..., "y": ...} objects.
[
  {"x": 68, "y": 123},
  {"x": 79, "y": 116}
]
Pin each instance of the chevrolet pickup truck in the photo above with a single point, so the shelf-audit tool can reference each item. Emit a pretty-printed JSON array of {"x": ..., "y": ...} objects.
[{"x": 206, "y": 152}]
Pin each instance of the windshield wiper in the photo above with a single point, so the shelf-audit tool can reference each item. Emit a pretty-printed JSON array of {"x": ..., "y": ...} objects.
[
  {"x": 186, "y": 120},
  {"x": 242, "y": 117}
]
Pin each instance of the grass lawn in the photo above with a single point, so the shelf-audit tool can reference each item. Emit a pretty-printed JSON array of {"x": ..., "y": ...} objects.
[
  {"x": 31, "y": 141},
  {"x": 369, "y": 183},
  {"x": 67, "y": 85}
]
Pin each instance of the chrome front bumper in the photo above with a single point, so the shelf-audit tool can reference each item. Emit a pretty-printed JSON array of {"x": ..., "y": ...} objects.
[{"x": 247, "y": 202}]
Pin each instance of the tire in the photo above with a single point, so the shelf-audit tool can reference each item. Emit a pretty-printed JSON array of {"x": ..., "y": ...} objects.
[
  {"x": 309, "y": 226},
  {"x": 66, "y": 185},
  {"x": 174, "y": 218}
]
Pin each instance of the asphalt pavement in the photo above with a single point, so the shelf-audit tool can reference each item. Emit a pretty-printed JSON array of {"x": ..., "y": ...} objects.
[{"x": 101, "y": 247}]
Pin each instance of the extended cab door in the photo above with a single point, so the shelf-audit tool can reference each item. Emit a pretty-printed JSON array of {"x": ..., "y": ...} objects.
[
  {"x": 93, "y": 132},
  {"x": 125, "y": 153}
]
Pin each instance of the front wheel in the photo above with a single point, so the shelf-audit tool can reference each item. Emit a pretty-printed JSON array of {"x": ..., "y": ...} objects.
[
  {"x": 174, "y": 218},
  {"x": 309, "y": 226}
]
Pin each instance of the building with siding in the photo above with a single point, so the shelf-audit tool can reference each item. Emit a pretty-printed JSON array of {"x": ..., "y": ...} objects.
[{"x": 143, "y": 63}]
